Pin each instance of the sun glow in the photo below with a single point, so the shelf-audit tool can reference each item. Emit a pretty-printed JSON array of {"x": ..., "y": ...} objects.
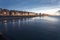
[
  {"x": 51, "y": 11},
  {"x": 47, "y": 11}
]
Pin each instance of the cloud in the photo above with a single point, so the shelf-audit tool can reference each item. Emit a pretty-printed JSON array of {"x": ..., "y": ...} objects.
[
  {"x": 55, "y": 1},
  {"x": 52, "y": 1},
  {"x": 52, "y": 9},
  {"x": 29, "y": 4}
]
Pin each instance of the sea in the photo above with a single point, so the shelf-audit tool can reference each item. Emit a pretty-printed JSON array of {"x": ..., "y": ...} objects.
[{"x": 31, "y": 28}]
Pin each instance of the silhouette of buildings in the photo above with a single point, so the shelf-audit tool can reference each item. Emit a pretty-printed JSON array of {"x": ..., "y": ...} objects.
[{"x": 5, "y": 12}]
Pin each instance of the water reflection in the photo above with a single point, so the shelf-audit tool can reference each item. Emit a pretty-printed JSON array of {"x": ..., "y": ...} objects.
[
  {"x": 46, "y": 19},
  {"x": 50, "y": 19},
  {"x": 19, "y": 25},
  {"x": 6, "y": 27},
  {"x": 28, "y": 28},
  {"x": 13, "y": 23},
  {"x": 5, "y": 21}
]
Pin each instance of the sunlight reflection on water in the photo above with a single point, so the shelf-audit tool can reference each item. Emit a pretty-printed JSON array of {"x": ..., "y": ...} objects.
[
  {"x": 46, "y": 18},
  {"x": 51, "y": 19}
]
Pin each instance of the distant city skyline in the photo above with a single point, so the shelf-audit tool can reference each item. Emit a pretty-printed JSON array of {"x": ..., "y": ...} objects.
[{"x": 43, "y": 6}]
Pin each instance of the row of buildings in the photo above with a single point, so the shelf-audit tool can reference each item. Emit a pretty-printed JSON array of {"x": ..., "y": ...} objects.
[
  {"x": 6, "y": 12},
  {"x": 43, "y": 14}
]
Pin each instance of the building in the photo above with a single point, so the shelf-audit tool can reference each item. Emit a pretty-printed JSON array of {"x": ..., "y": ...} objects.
[{"x": 5, "y": 12}]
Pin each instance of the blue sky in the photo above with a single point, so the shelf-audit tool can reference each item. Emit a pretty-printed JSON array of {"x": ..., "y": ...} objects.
[{"x": 30, "y": 5}]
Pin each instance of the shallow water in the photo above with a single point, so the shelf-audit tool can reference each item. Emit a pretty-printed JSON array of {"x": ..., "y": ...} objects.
[{"x": 34, "y": 28}]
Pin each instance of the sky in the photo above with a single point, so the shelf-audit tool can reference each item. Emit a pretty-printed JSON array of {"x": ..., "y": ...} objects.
[{"x": 43, "y": 6}]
